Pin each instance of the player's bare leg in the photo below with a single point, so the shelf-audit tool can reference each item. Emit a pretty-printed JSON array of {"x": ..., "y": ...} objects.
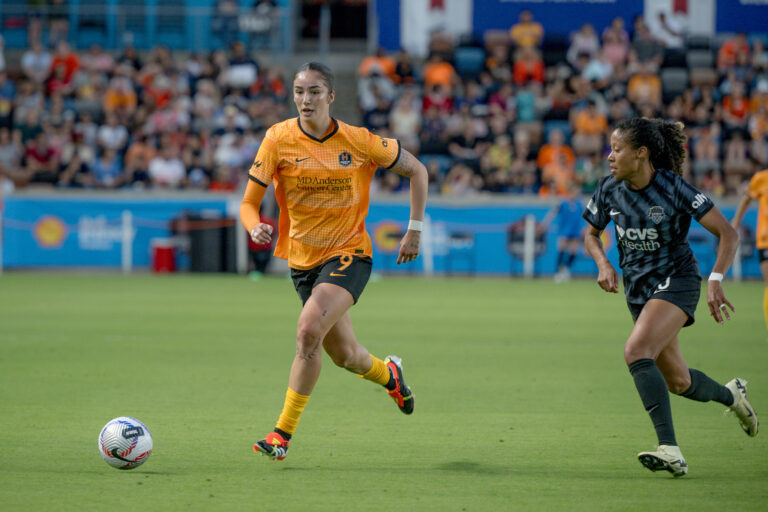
[{"x": 327, "y": 304}]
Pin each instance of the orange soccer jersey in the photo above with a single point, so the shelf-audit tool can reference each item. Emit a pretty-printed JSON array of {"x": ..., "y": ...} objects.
[
  {"x": 758, "y": 190},
  {"x": 322, "y": 188}
]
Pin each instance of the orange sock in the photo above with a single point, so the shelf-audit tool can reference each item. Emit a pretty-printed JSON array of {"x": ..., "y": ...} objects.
[
  {"x": 294, "y": 406},
  {"x": 378, "y": 373}
]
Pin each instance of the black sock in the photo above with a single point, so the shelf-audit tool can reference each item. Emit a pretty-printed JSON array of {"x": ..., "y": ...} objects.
[
  {"x": 704, "y": 389},
  {"x": 653, "y": 392},
  {"x": 560, "y": 259},
  {"x": 283, "y": 433},
  {"x": 569, "y": 260},
  {"x": 391, "y": 385}
]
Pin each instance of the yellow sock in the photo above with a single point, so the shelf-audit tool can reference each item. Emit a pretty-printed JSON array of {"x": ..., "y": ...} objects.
[
  {"x": 765, "y": 307},
  {"x": 294, "y": 406},
  {"x": 378, "y": 373}
]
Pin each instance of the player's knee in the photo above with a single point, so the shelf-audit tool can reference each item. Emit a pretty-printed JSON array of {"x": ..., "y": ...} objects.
[
  {"x": 307, "y": 336},
  {"x": 678, "y": 384},
  {"x": 343, "y": 357}
]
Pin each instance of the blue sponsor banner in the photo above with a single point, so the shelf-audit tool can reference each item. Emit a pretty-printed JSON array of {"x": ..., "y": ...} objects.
[
  {"x": 488, "y": 240},
  {"x": 741, "y": 16},
  {"x": 559, "y": 17},
  {"x": 83, "y": 232},
  {"x": 466, "y": 239}
]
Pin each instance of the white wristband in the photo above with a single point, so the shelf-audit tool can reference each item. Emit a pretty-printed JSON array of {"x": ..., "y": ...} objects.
[
  {"x": 715, "y": 276},
  {"x": 415, "y": 225}
]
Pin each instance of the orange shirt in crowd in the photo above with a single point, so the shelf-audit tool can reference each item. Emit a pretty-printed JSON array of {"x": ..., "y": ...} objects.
[
  {"x": 383, "y": 64},
  {"x": 441, "y": 73},
  {"x": 589, "y": 124},
  {"x": 322, "y": 187},
  {"x": 549, "y": 153},
  {"x": 526, "y": 34}
]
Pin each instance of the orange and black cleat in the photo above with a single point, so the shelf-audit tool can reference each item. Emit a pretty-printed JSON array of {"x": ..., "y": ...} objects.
[
  {"x": 274, "y": 446},
  {"x": 402, "y": 393}
]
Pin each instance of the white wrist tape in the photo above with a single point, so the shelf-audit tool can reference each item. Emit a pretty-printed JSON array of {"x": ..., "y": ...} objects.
[
  {"x": 715, "y": 276},
  {"x": 415, "y": 225}
]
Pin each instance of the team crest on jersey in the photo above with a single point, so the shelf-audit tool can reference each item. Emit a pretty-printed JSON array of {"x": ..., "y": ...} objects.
[
  {"x": 656, "y": 214},
  {"x": 345, "y": 159}
]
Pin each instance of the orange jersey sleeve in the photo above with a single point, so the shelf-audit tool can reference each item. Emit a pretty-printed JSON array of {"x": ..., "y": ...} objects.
[{"x": 758, "y": 190}]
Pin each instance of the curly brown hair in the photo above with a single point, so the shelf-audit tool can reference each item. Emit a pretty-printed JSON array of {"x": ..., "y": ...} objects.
[{"x": 665, "y": 140}]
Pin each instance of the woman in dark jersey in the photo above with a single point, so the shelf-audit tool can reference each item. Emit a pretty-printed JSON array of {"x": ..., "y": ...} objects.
[{"x": 651, "y": 207}]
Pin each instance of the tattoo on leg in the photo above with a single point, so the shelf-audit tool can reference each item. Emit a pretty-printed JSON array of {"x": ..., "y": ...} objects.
[{"x": 312, "y": 353}]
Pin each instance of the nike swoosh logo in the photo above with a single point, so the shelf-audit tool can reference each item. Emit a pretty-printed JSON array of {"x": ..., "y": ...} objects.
[
  {"x": 615, "y": 212},
  {"x": 302, "y": 159},
  {"x": 334, "y": 274},
  {"x": 115, "y": 455}
]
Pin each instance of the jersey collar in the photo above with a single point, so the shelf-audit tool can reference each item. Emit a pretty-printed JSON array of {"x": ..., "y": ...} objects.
[{"x": 333, "y": 132}]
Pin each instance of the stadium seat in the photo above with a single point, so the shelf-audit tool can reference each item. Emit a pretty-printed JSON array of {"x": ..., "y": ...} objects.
[
  {"x": 673, "y": 82},
  {"x": 554, "y": 49},
  {"x": 469, "y": 61},
  {"x": 698, "y": 42},
  {"x": 700, "y": 59},
  {"x": 673, "y": 58}
]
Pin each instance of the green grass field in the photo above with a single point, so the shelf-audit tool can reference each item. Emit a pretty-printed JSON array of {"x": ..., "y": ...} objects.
[{"x": 523, "y": 401}]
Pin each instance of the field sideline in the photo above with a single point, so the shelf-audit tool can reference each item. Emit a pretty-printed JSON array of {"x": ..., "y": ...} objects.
[{"x": 523, "y": 401}]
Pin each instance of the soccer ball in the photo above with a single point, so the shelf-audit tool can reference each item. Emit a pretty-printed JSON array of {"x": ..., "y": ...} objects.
[{"x": 125, "y": 443}]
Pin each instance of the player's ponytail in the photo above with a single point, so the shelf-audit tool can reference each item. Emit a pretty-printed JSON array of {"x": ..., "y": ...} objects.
[
  {"x": 323, "y": 70},
  {"x": 665, "y": 141},
  {"x": 673, "y": 156}
]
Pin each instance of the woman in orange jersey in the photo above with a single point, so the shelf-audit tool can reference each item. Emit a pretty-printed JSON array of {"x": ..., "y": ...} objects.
[
  {"x": 322, "y": 170},
  {"x": 758, "y": 190}
]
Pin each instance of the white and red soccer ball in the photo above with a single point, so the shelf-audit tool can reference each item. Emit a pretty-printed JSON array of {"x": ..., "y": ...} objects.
[{"x": 125, "y": 443}]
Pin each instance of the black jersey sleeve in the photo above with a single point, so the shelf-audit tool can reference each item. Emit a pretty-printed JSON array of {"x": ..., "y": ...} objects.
[
  {"x": 691, "y": 200},
  {"x": 595, "y": 212}
]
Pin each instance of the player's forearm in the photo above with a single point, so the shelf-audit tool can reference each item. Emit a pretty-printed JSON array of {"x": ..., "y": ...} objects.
[
  {"x": 249, "y": 208},
  {"x": 594, "y": 248},
  {"x": 419, "y": 187},
  {"x": 726, "y": 250}
]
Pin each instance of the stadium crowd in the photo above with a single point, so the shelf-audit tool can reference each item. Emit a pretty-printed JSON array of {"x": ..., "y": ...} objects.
[{"x": 519, "y": 112}]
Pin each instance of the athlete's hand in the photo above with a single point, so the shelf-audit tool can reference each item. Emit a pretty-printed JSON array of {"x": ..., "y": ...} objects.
[
  {"x": 607, "y": 278},
  {"x": 718, "y": 304},
  {"x": 261, "y": 234},
  {"x": 409, "y": 246}
]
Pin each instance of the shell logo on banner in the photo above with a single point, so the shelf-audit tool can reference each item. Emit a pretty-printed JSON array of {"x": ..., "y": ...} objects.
[
  {"x": 50, "y": 232},
  {"x": 386, "y": 236}
]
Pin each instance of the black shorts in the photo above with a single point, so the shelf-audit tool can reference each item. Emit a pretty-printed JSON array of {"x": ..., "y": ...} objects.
[
  {"x": 349, "y": 272},
  {"x": 762, "y": 255},
  {"x": 683, "y": 291}
]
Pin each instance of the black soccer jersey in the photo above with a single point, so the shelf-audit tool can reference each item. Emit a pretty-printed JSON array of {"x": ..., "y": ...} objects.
[{"x": 651, "y": 228}]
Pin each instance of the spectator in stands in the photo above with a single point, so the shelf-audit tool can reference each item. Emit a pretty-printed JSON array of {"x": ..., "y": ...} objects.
[
  {"x": 583, "y": 42},
  {"x": 373, "y": 88},
  {"x": 438, "y": 97},
  {"x": 737, "y": 163},
  {"x": 727, "y": 56},
  {"x": 529, "y": 66},
  {"x": 735, "y": 107},
  {"x": 243, "y": 70},
  {"x": 645, "y": 51},
  {"x": 11, "y": 152},
  {"x": 98, "y": 60},
  {"x": 120, "y": 98},
  {"x": 526, "y": 32},
  {"x": 58, "y": 17},
  {"x": 438, "y": 71},
  {"x": 111, "y": 134},
  {"x": 466, "y": 147},
  {"x": 589, "y": 125},
  {"x": 557, "y": 176},
  {"x": 758, "y": 123},
  {"x": 137, "y": 159},
  {"x": 166, "y": 169},
  {"x": 618, "y": 31},
  {"x": 460, "y": 181},
  {"x": 64, "y": 56},
  {"x": 107, "y": 170},
  {"x": 2, "y": 54},
  {"x": 554, "y": 149},
  {"x": 224, "y": 21},
  {"x": 405, "y": 74},
  {"x": 405, "y": 121},
  {"x": 41, "y": 163},
  {"x": 36, "y": 63},
  {"x": 379, "y": 63},
  {"x": 645, "y": 87}
]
